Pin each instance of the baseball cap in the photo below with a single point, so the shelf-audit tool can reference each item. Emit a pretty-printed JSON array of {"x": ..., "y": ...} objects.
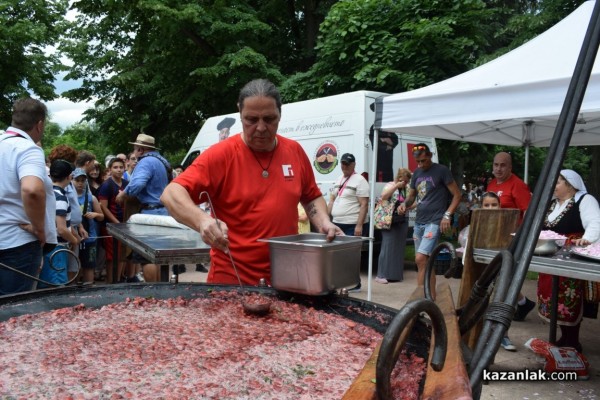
[
  {"x": 348, "y": 158},
  {"x": 78, "y": 172}
]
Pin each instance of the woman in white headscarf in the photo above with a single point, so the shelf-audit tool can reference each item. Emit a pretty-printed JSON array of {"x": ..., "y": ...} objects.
[{"x": 575, "y": 214}]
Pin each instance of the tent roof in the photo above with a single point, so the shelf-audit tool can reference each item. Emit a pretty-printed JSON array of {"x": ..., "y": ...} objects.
[{"x": 513, "y": 100}]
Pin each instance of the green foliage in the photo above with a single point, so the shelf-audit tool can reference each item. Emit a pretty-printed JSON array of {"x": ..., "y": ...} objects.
[
  {"x": 517, "y": 22},
  {"x": 392, "y": 46},
  {"x": 162, "y": 67},
  {"x": 26, "y": 28}
]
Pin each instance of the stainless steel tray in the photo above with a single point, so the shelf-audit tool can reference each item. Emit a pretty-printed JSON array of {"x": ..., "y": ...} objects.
[{"x": 309, "y": 264}]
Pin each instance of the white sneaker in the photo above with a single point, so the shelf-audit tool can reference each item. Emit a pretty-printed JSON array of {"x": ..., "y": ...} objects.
[
  {"x": 381, "y": 280},
  {"x": 507, "y": 344}
]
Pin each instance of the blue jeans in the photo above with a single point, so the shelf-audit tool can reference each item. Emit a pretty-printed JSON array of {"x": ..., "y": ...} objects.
[
  {"x": 26, "y": 258},
  {"x": 426, "y": 237},
  {"x": 348, "y": 229},
  {"x": 55, "y": 267}
]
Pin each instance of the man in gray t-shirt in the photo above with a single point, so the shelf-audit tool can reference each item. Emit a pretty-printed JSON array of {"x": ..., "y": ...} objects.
[{"x": 432, "y": 186}]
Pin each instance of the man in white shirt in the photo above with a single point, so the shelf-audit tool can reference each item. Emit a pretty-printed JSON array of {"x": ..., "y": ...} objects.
[
  {"x": 349, "y": 200},
  {"x": 26, "y": 197}
]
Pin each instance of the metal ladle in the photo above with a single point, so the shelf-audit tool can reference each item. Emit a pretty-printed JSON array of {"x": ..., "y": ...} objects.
[{"x": 249, "y": 308}]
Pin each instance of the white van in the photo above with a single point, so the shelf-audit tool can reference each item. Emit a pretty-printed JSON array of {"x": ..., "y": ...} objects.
[{"x": 326, "y": 128}]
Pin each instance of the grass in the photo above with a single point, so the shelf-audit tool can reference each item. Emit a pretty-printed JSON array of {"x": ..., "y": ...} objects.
[{"x": 409, "y": 253}]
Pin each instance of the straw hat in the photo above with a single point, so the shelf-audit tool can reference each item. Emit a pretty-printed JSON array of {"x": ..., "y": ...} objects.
[{"x": 144, "y": 140}]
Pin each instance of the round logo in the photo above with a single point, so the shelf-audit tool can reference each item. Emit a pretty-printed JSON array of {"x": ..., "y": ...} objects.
[{"x": 326, "y": 158}]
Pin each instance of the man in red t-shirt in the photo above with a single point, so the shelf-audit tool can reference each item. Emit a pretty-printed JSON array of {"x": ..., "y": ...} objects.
[
  {"x": 255, "y": 181},
  {"x": 513, "y": 193}
]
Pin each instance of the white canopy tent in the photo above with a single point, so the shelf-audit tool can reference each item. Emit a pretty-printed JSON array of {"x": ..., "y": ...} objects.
[{"x": 514, "y": 100}]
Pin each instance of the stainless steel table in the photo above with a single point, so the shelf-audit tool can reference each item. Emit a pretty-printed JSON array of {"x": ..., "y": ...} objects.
[
  {"x": 159, "y": 245},
  {"x": 573, "y": 267}
]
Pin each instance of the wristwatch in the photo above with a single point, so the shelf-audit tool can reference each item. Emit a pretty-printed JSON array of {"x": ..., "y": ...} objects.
[{"x": 447, "y": 215}]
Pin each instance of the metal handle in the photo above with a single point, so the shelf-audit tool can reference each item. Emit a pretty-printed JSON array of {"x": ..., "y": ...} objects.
[{"x": 212, "y": 209}]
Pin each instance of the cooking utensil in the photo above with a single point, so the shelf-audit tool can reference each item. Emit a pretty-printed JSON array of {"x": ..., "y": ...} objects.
[
  {"x": 256, "y": 307},
  {"x": 545, "y": 247},
  {"x": 309, "y": 264}
]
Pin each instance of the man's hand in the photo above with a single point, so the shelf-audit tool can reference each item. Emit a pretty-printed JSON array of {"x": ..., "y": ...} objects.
[
  {"x": 358, "y": 230},
  {"x": 120, "y": 199},
  {"x": 214, "y": 233},
  {"x": 445, "y": 225},
  {"x": 331, "y": 230},
  {"x": 38, "y": 233}
]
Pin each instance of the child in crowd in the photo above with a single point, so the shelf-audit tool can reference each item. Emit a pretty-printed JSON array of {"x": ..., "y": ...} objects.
[
  {"x": 113, "y": 212},
  {"x": 54, "y": 269},
  {"x": 91, "y": 211}
]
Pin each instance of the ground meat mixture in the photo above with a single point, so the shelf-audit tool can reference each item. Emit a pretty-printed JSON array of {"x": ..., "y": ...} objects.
[{"x": 205, "y": 348}]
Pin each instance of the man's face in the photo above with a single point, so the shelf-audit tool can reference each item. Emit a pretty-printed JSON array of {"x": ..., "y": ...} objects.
[
  {"x": 138, "y": 151},
  {"x": 117, "y": 169},
  {"x": 260, "y": 120},
  {"x": 423, "y": 160},
  {"x": 502, "y": 167},
  {"x": 348, "y": 168}
]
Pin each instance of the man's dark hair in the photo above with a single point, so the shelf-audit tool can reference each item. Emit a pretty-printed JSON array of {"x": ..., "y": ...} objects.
[
  {"x": 82, "y": 157},
  {"x": 115, "y": 160},
  {"x": 421, "y": 148},
  {"x": 27, "y": 112},
  {"x": 259, "y": 87}
]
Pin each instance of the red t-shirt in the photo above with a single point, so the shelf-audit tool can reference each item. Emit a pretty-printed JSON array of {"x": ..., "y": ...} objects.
[
  {"x": 513, "y": 193},
  {"x": 253, "y": 207}
]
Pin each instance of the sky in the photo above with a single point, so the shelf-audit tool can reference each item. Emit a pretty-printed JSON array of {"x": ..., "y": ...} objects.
[
  {"x": 62, "y": 111},
  {"x": 65, "y": 112}
]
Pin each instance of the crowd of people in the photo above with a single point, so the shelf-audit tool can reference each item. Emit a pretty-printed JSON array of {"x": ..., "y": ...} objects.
[
  {"x": 57, "y": 207},
  {"x": 66, "y": 204}
]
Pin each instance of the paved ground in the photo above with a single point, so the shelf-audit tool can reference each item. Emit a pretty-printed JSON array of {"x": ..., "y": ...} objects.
[{"x": 396, "y": 294}]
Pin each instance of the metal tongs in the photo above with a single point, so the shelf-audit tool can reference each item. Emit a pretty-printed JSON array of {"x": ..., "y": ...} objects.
[{"x": 261, "y": 308}]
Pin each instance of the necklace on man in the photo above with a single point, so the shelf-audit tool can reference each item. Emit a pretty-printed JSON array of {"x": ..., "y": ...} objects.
[{"x": 265, "y": 172}]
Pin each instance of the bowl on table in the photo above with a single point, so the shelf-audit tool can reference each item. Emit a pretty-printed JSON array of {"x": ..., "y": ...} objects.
[{"x": 546, "y": 247}]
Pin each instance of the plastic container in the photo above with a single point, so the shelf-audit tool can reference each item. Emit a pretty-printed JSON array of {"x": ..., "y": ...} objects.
[{"x": 442, "y": 262}]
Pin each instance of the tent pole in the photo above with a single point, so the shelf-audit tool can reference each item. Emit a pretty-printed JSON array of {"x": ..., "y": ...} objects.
[
  {"x": 372, "y": 180},
  {"x": 526, "y": 172}
]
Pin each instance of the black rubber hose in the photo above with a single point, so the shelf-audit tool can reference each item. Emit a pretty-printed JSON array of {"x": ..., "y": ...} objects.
[
  {"x": 478, "y": 301},
  {"x": 431, "y": 261},
  {"x": 497, "y": 321},
  {"x": 390, "y": 351}
]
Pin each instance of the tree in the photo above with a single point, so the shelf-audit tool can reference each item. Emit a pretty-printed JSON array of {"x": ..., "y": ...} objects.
[
  {"x": 27, "y": 28},
  {"x": 162, "y": 67},
  {"x": 392, "y": 46}
]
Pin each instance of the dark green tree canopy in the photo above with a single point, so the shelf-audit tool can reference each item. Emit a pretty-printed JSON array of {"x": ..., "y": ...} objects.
[
  {"x": 163, "y": 66},
  {"x": 393, "y": 46},
  {"x": 27, "y": 28}
]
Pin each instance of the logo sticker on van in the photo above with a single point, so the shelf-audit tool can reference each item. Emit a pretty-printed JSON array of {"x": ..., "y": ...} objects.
[{"x": 326, "y": 158}]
